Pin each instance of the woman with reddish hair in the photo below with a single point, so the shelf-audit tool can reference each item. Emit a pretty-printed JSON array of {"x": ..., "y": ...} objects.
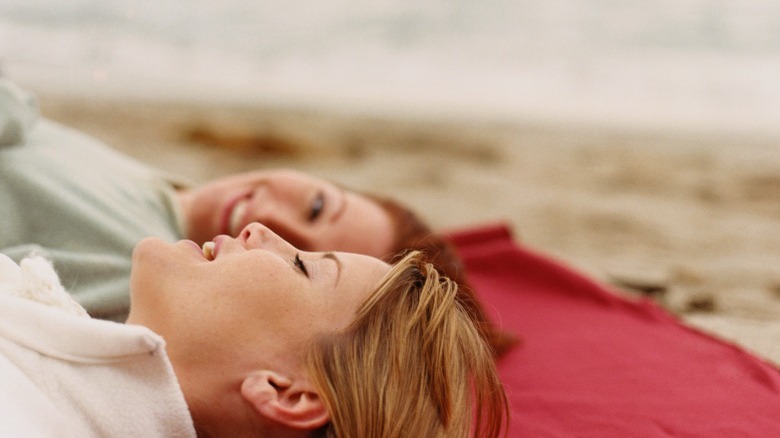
[{"x": 84, "y": 206}]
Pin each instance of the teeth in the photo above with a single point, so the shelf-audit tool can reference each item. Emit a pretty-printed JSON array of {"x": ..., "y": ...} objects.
[
  {"x": 236, "y": 216},
  {"x": 208, "y": 250}
]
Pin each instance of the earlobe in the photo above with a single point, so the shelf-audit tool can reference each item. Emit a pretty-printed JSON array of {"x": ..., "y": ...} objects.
[{"x": 278, "y": 398}]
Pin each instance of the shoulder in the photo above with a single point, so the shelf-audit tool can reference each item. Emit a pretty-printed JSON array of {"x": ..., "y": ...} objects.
[
  {"x": 18, "y": 113},
  {"x": 27, "y": 411}
]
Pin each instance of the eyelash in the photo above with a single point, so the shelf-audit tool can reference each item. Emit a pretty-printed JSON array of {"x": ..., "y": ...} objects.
[{"x": 300, "y": 265}]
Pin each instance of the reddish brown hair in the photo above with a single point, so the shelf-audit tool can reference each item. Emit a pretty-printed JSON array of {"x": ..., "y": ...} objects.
[{"x": 411, "y": 233}]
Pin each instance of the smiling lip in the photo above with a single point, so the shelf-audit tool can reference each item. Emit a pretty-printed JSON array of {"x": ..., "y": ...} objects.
[
  {"x": 237, "y": 217},
  {"x": 225, "y": 222}
]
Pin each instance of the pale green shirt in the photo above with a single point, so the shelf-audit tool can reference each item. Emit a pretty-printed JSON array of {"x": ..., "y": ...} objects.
[{"x": 82, "y": 205}]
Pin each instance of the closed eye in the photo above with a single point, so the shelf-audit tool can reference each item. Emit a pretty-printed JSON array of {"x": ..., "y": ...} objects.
[{"x": 300, "y": 265}]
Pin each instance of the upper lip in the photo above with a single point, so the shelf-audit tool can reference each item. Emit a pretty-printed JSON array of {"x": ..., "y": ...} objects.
[
  {"x": 218, "y": 241},
  {"x": 228, "y": 212}
]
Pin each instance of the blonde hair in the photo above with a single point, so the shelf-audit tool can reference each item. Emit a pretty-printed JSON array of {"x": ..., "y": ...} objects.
[
  {"x": 413, "y": 363},
  {"x": 411, "y": 233}
]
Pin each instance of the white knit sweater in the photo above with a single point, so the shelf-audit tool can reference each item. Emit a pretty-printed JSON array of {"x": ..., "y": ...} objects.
[{"x": 64, "y": 374}]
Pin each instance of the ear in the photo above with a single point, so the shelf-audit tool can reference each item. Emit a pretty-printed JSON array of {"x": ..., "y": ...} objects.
[{"x": 292, "y": 403}]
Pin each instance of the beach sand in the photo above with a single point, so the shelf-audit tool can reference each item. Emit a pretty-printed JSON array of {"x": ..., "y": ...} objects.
[{"x": 689, "y": 218}]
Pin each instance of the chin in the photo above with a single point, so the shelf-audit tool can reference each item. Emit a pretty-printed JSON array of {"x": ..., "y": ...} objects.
[{"x": 147, "y": 249}]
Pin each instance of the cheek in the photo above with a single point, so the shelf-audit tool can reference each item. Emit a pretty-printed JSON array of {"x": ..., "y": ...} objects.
[
  {"x": 303, "y": 241},
  {"x": 253, "y": 283},
  {"x": 280, "y": 301}
]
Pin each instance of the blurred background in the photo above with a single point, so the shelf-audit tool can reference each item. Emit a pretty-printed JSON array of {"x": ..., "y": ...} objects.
[
  {"x": 636, "y": 140},
  {"x": 710, "y": 64}
]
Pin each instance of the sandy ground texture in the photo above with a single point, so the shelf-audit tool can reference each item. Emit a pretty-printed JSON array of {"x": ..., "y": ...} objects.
[{"x": 691, "y": 219}]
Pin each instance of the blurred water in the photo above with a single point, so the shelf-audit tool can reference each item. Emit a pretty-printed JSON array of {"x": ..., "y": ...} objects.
[{"x": 667, "y": 63}]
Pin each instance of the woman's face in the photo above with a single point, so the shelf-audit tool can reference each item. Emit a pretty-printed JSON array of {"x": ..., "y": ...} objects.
[
  {"x": 310, "y": 213},
  {"x": 257, "y": 299}
]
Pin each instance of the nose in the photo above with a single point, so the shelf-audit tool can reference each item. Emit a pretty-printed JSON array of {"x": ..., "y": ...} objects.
[{"x": 258, "y": 236}]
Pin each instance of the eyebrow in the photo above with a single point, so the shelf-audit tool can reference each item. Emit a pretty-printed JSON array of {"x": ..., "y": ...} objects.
[{"x": 339, "y": 266}]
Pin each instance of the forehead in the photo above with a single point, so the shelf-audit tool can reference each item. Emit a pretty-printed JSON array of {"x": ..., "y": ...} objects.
[{"x": 359, "y": 277}]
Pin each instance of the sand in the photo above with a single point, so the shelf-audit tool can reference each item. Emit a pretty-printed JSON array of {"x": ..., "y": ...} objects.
[{"x": 691, "y": 219}]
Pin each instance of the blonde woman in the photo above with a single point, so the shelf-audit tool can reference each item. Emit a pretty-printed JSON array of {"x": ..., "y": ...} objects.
[
  {"x": 247, "y": 337},
  {"x": 84, "y": 206}
]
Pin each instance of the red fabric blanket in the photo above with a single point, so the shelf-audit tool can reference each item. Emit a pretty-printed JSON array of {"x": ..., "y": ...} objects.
[{"x": 593, "y": 364}]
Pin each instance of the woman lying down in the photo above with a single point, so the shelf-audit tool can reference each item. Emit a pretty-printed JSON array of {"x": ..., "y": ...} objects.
[{"x": 247, "y": 337}]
